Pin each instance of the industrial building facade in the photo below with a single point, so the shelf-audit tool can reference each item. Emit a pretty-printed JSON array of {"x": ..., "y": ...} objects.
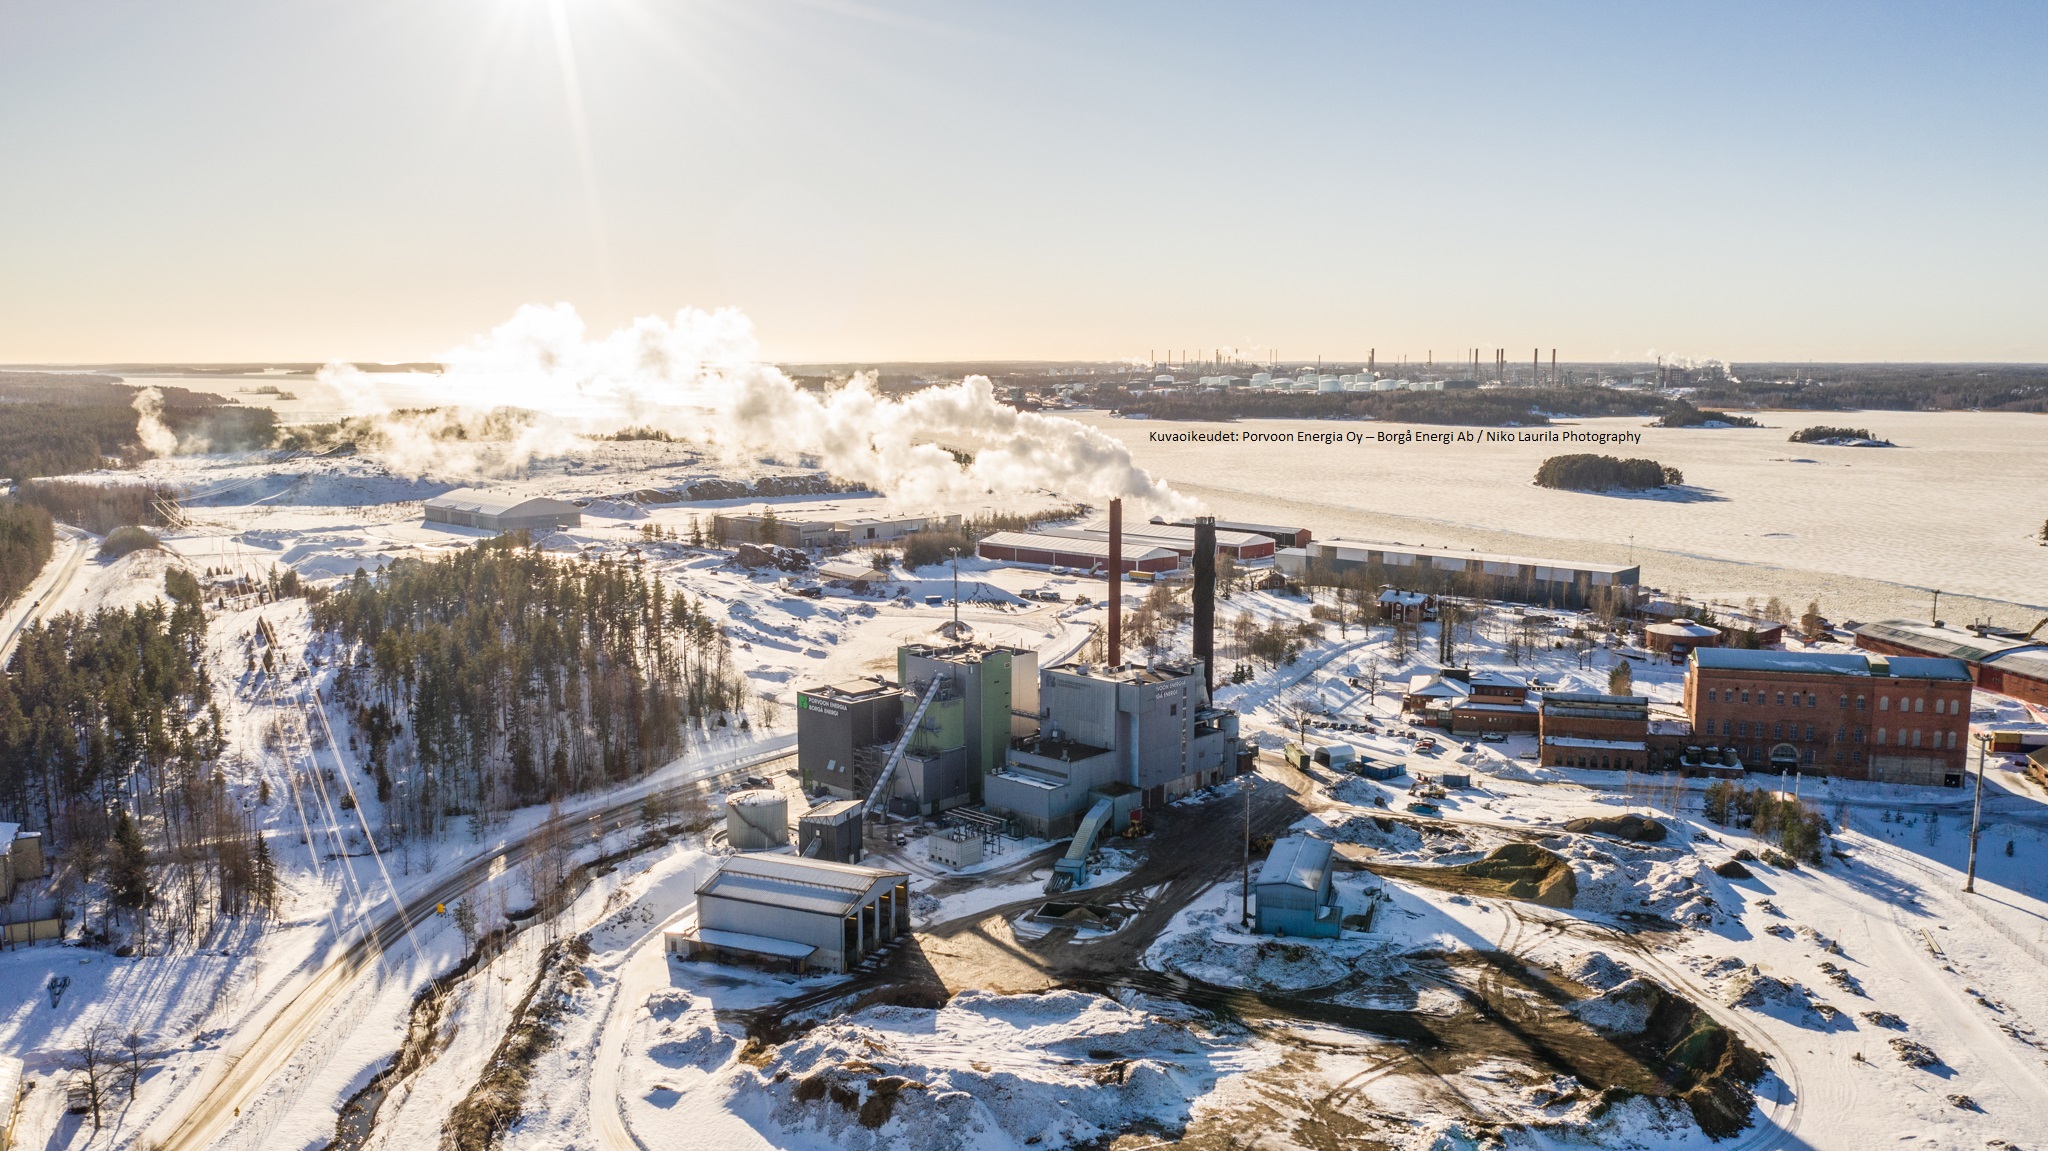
[
  {"x": 1294, "y": 891},
  {"x": 1135, "y": 735},
  {"x": 732, "y": 528},
  {"x": 1067, "y": 551},
  {"x": 836, "y": 724},
  {"x": 1583, "y": 729},
  {"x": 2007, "y": 662},
  {"x": 1516, "y": 578},
  {"x": 803, "y": 913},
  {"x": 1892, "y": 719},
  {"x": 501, "y": 512},
  {"x": 1240, "y": 546}
]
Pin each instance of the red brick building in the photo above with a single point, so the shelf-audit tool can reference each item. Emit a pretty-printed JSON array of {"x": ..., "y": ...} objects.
[
  {"x": 1891, "y": 719},
  {"x": 2007, "y": 662},
  {"x": 1589, "y": 730}
]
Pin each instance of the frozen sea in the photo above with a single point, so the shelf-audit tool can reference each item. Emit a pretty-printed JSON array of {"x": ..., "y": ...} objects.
[{"x": 1958, "y": 505}]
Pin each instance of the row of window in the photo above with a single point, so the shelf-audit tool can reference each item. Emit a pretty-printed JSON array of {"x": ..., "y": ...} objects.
[
  {"x": 1808, "y": 699},
  {"x": 1915, "y": 734},
  {"x": 1941, "y": 706}
]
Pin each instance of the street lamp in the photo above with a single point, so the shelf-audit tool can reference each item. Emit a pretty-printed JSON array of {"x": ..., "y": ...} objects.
[
  {"x": 1244, "y": 785},
  {"x": 1977, "y": 812}
]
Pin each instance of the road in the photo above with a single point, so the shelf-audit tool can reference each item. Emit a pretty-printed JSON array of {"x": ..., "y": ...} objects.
[
  {"x": 303, "y": 1005},
  {"x": 48, "y": 590}
]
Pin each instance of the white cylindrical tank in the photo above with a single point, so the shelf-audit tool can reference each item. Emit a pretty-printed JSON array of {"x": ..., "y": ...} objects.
[{"x": 756, "y": 820}]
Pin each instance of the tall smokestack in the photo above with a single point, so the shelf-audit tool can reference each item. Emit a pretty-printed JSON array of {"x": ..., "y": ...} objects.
[
  {"x": 1205, "y": 601},
  {"x": 1116, "y": 583}
]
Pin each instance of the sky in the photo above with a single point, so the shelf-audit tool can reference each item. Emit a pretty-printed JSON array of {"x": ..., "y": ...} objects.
[{"x": 383, "y": 179}]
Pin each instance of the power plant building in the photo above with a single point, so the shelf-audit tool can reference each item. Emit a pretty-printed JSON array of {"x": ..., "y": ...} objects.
[
  {"x": 1137, "y": 735},
  {"x": 837, "y": 726},
  {"x": 501, "y": 512},
  {"x": 1517, "y": 578},
  {"x": 987, "y": 696}
]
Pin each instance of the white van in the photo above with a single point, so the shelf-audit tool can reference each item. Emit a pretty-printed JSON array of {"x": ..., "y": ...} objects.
[{"x": 1336, "y": 755}]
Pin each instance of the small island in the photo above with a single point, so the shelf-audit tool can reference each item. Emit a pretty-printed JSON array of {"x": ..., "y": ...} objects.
[
  {"x": 1839, "y": 437},
  {"x": 1585, "y": 472},
  {"x": 1684, "y": 415}
]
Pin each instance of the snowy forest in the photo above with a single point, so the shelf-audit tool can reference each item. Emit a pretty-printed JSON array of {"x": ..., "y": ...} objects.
[{"x": 501, "y": 676}]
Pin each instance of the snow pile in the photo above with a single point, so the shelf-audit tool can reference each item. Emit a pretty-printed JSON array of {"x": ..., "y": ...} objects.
[
  {"x": 1047, "y": 1071},
  {"x": 1622, "y": 1010},
  {"x": 1599, "y": 971},
  {"x": 1217, "y": 951},
  {"x": 1643, "y": 883},
  {"x": 1386, "y": 835}
]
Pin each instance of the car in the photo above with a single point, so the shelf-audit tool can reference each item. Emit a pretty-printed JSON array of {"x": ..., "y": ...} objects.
[
  {"x": 1424, "y": 808},
  {"x": 1493, "y": 737},
  {"x": 1471, "y": 747},
  {"x": 902, "y": 841},
  {"x": 1058, "y": 570},
  {"x": 1530, "y": 756},
  {"x": 757, "y": 782}
]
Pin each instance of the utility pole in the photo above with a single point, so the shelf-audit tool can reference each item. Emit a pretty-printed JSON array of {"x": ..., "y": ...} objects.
[
  {"x": 1977, "y": 813},
  {"x": 1935, "y": 615},
  {"x": 956, "y": 591}
]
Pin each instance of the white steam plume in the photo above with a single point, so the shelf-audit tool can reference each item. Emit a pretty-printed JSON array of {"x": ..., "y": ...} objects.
[
  {"x": 149, "y": 424},
  {"x": 698, "y": 377}
]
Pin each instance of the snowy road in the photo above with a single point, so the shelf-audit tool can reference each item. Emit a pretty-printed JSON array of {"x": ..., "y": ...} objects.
[
  {"x": 304, "y": 1005},
  {"x": 42, "y": 597}
]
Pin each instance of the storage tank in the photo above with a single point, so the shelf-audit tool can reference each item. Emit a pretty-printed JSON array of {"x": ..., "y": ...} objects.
[{"x": 756, "y": 820}]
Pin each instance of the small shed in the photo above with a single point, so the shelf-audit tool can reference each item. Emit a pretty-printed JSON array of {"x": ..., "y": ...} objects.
[
  {"x": 832, "y": 831},
  {"x": 1294, "y": 891}
]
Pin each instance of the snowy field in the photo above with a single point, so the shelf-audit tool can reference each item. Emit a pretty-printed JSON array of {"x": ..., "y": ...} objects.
[{"x": 1763, "y": 516}]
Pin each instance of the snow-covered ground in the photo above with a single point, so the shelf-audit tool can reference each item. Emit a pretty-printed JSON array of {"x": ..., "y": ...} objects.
[{"x": 1814, "y": 967}]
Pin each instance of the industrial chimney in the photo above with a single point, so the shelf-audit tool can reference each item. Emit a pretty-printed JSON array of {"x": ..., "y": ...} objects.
[
  {"x": 1205, "y": 601},
  {"x": 1116, "y": 583}
]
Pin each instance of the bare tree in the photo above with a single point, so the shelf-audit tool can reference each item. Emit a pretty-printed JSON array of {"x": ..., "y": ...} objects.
[
  {"x": 93, "y": 1060},
  {"x": 136, "y": 1060}
]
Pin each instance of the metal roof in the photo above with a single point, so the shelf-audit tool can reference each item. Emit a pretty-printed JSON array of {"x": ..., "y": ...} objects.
[
  {"x": 1937, "y": 641},
  {"x": 1072, "y": 545},
  {"x": 1166, "y": 535},
  {"x": 1328, "y": 546},
  {"x": 2031, "y": 662},
  {"x": 800, "y": 884},
  {"x": 1297, "y": 861},
  {"x": 742, "y": 941},
  {"x": 483, "y": 503},
  {"x": 1808, "y": 662},
  {"x": 1829, "y": 663},
  {"x": 1683, "y": 627}
]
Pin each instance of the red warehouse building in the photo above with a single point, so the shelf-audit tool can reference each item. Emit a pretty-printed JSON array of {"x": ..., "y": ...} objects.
[
  {"x": 1892, "y": 719},
  {"x": 1060, "y": 551},
  {"x": 2007, "y": 662}
]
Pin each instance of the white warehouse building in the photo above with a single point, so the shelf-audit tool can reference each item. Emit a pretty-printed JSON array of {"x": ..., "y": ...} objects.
[
  {"x": 502, "y": 511},
  {"x": 791, "y": 911}
]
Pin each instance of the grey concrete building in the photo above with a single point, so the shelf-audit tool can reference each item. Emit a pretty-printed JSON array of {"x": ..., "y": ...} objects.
[
  {"x": 501, "y": 511},
  {"x": 839, "y": 726},
  {"x": 988, "y": 696},
  {"x": 1137, "y": 735},
  {"x": 801, "y": 913},
  {"x": 1294, "y": 891},
  {"x": 1519, "y": 579}
]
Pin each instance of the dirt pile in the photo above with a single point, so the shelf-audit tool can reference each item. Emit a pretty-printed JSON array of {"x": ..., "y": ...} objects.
[
  {"x": 1706, "y": 1065},
  {"x": 1731, "y": 869},
  {"x": 1513, "y": 871},
  {"x": 1632, "y": 827}
]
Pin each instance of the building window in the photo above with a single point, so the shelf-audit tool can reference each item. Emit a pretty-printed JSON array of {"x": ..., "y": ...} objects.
[
  {"x": 1809, "y": 733},
  {"x": 1812, "y": 700},
  {"x": 1807, "y": 758},
  {"x": 1781, "y": 699},
  {"x": 1916, "y": 737},
  {"x": 1859, "y": 759},
  {"x": 1710, "y": 695},
  {"x": 1859, "y": 703},
  {"x": 1856, "y": 736},
  {"x": 1884, "y": 703},
  {"x": 1777, "y": 731},
  {"x": 1880, "y": 737},
  {"x": 1742, "y": 729},
  {"x": 1951, "y": 741},
  {"x": 1920, "y": 704},
  {"x": 1745, "y": 695},
  {"x": 1845, "y": 701},
  {"x": 1841, "y": 733},
  {"x": 1727, "y": 727}
]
